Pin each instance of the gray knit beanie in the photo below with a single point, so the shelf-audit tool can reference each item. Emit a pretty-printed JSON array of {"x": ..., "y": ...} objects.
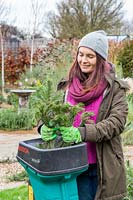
[{"x": 97, "y": 41}]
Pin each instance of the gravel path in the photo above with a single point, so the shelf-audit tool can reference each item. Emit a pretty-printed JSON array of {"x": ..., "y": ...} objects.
[
  {"x": 9, "y": 166},
  {"x": 9, "y": 142},
  {"x": 6, "y": 171}
]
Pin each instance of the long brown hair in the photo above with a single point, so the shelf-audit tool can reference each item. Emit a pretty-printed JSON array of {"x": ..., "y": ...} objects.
[{"x": 89, "y": 82}]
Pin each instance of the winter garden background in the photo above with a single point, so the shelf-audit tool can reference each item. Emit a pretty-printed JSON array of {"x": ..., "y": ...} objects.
[{"x": 28, "y": 60}]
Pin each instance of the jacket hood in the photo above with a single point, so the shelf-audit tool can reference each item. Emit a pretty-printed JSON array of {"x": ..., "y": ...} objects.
[{"x": 110, "y": 77}]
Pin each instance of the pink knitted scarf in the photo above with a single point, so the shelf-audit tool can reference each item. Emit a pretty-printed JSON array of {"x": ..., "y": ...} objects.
[
  {"x": 75, "y": 91},
  {"x": 92, "y": 101}
]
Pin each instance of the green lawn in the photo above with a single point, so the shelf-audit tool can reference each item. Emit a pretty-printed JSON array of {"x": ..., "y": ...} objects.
[{"x": 19, "y": 193}]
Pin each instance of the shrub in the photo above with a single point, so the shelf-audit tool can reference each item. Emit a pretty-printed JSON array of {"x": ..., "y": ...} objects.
[
  {"x": 22, "y": 176},
  {"x": 127, "y": 136},
  {"x": 40, "y": 99},
  {"x": 2, "y": 99},
  {"x": 125, "y": 59},
  {"x": 12, "y": 120},
  {"x": 114, "y": 49},
  {"x": 15, "y": 65},
  {"x": 12, "y": 99},
  {"x": 129, "y": 182}
]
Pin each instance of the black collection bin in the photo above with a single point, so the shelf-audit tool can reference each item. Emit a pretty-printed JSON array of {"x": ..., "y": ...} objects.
[{"x": 53, "y": 172}]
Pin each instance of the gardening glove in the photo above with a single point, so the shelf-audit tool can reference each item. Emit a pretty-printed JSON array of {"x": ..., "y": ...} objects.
[
  {"x": 47, "y": 134},
  {"x": 70, "y": 134}
]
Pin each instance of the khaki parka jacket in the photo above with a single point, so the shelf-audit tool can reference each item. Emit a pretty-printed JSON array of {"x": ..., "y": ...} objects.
[{"x": 107, "y": 135}]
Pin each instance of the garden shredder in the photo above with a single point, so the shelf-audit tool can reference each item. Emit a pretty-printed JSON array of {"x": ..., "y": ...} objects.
[{"x": 53, "y": 172}]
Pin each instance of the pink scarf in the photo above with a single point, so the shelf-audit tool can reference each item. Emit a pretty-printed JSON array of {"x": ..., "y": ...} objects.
[
  {"x": 75, "y": 91},
  {"x": 92, "y": 101}
]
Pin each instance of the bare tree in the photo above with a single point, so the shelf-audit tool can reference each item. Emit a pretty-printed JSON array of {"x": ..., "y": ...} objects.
[
  {"x": 38, "y": 11},
  {"x": 50, "y": 26},
  {"x": 4, "y": 11},
  {"x": 127, "y": 27},
  {"x": 78, "y": 17},
  {"x": 105, "y": 14}
]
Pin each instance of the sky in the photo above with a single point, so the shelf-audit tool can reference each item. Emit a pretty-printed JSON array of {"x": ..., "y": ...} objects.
[{"x": 21, "y": 14}]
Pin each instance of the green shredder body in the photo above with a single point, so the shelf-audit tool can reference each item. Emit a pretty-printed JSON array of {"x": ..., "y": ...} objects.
[{"x": 53, "y": 172}]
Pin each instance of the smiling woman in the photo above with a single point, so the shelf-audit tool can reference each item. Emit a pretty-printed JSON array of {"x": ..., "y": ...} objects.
[
  {"x": 86, "y": 59},
  {"x": 92, "y": 81}
]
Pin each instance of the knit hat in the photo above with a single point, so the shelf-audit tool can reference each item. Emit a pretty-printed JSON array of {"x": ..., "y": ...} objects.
[{"x": 97, "y": 41}]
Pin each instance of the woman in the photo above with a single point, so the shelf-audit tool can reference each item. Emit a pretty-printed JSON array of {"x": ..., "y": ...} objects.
[{"x": 92, "y": 81}]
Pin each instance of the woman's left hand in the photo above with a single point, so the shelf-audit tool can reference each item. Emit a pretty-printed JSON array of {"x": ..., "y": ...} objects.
[{"x": 70, "y": 134}]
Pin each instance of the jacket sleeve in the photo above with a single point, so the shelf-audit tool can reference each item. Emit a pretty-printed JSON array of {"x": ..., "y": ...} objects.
[{"x": 114, "y": 123}]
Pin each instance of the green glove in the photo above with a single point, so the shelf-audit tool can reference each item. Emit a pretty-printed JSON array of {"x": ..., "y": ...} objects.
[
  {"x": 47, "y": 134},
  {"x": 70, "y": 134}
]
